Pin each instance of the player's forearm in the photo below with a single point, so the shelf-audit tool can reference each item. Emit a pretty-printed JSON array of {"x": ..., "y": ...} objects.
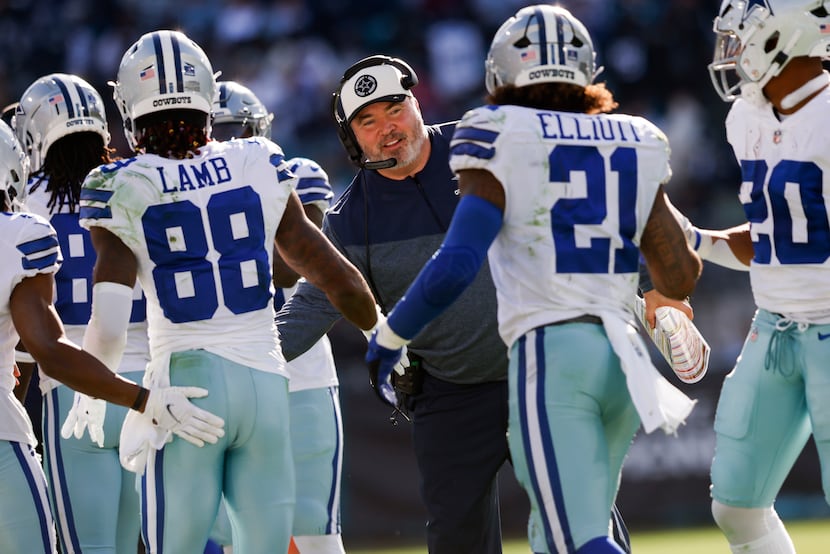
[
  {"x": 80, "y": 371},
  {"x": 106, "y": 333},
  {"x": 673, "y": 265},
  {"x": 354, "y": 300},
  {"x": 731, "y": 248}
]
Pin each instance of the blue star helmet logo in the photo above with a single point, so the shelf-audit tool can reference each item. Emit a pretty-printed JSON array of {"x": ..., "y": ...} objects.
[{"x": 761, "y": 3}]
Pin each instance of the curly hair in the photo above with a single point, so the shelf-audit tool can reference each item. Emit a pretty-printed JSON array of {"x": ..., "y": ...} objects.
[
  {"x": 176, "y": 134},
  {"x": 561, "y": 97},
  {"x": 67, "y": 163}
]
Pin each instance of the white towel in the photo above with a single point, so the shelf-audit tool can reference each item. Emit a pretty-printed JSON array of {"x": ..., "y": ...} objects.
[
  {"x": 658, "y": 402},
  {"x": 138, "y": 436}
]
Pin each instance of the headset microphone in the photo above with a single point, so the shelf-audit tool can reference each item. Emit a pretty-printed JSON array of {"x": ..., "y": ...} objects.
[{"x": 382, "y": 164}]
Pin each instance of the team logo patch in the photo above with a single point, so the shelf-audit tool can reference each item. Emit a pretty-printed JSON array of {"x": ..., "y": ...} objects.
[
  {"x": 365, "y": 86},
  {"x": 189, "y": 69}
]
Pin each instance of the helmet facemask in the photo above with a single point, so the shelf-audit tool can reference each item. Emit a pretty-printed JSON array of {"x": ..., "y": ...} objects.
[
  {"x": 756, "y": 39},
  {"x": 14, "y": 166}
]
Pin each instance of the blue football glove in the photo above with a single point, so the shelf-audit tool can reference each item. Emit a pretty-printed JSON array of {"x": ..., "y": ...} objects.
[{"x": 381, "y": 362}]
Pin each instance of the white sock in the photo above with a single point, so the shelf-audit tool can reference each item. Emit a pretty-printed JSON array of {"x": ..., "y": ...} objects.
[
  {"x": 755, "y": 530},
  {"x": 319, "y": 544}
]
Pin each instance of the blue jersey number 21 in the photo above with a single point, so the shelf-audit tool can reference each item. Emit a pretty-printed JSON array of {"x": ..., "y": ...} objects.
[
  {"x": 593, "y": 210},
  {"x": 177, "y": 242}
]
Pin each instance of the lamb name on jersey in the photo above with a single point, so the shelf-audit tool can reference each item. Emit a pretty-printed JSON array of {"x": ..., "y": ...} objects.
[
  {"x": 785, "y": 193},
  {"x": 568, "y": 179},
  {"x": 202, "y": 230}
]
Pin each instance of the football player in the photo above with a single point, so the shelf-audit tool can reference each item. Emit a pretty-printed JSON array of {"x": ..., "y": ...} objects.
[
  {"x": 31, "y": 257},
  {"x": 196, "y": 221},
  {"x": 61, "y": 122},
  {"x": 768, "y": 60},
  {"x": 314, "y": 399}
]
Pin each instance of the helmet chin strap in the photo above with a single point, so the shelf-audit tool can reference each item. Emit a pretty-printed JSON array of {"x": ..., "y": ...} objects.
[{"x": 805, "y": 91}]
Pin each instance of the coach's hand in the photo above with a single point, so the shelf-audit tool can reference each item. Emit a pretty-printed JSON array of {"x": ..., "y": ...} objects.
[{"x": 171, "y": 409}]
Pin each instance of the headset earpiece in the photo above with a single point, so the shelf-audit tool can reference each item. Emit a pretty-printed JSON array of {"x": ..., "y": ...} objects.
[{"x": 344, "y": 131}]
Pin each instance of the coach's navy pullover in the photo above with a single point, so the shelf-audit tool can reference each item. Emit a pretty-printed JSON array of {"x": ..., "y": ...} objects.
[{"x": 389, "y": 229}]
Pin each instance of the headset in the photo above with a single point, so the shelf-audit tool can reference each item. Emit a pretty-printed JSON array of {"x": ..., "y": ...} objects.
[{"x": 344, "y": 129}]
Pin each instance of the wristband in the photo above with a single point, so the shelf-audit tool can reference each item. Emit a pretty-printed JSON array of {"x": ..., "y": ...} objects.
[
  {"x": 387, "y": 338},
  {"x": 139, "y": 399}
]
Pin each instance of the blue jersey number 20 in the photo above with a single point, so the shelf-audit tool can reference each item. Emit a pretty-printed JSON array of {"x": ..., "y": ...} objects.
[
  {"x": 792, "y": 246},
  {"x": 593, "y": 210},
  {"x": 177, "y": 242}
]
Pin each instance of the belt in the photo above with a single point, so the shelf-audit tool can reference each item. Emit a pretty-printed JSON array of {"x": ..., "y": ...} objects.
[{"x": 584, "y": 318}]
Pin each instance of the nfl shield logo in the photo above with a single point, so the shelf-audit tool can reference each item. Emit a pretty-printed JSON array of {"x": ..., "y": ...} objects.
[{"x": 189, "y": 70}]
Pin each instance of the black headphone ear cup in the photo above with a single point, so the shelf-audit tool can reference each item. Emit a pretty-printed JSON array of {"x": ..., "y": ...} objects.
[
  {"x": 410, "y": 79},
  {"x": 344, "y": 132}
]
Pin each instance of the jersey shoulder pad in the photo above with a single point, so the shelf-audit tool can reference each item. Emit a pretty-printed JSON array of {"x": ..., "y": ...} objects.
[
  {"x": 313, "y": 185},
  {"x": 37, "y": 243},
  {"x": 474, "y": 140}
]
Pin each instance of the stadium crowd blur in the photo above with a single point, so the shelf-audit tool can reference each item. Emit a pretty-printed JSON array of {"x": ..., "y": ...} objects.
[{"x": 291, "y": 53}]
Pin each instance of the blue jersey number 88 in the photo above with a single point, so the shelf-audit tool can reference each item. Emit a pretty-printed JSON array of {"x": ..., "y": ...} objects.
[
  {"x": 184, "y": 277},
  {"x": 73, "y": 282}
]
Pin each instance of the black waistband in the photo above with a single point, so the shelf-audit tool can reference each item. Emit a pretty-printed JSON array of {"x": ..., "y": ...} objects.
[{"x": 584, "y": 318}]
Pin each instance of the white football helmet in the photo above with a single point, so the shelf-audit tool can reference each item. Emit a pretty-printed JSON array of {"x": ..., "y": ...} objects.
[
  {"x": 54, "y": 106},
  {"x": 14, "y": 164},
  {"x": 237, "y": 112},
  {"x": 163, "y": 70},
  {"x": 757, "y": 38},
  {"x": 540, "y": 44}
]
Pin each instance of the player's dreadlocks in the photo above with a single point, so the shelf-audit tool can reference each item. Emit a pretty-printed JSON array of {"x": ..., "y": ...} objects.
[
  {"x": 67, "y": 163},
  {"x": 174, "y": 134},
  {"x": 563, "y": 97}
]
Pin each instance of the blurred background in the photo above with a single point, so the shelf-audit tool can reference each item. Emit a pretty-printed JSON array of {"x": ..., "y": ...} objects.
[{"x": 291, "y": 53}]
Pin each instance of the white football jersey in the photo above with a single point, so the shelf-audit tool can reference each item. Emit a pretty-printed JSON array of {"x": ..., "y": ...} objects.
[
  {"x": 578, "y": 192},
  {"x": 73, "y": 283},
  {"x": 785, "y": 192},
  {"x": 28, "y": 246},
  {"x": 202, "y": 231},
  {"x": 314, "y": 368}
]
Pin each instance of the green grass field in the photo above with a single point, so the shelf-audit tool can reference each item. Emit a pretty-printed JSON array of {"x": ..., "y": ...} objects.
[{"x": 810, "y": 537}]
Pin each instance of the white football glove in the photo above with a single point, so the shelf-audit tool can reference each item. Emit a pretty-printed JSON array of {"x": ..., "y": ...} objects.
[
  {"x": 86, "y": 413},
  {"x": 170, "y": 409}
]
